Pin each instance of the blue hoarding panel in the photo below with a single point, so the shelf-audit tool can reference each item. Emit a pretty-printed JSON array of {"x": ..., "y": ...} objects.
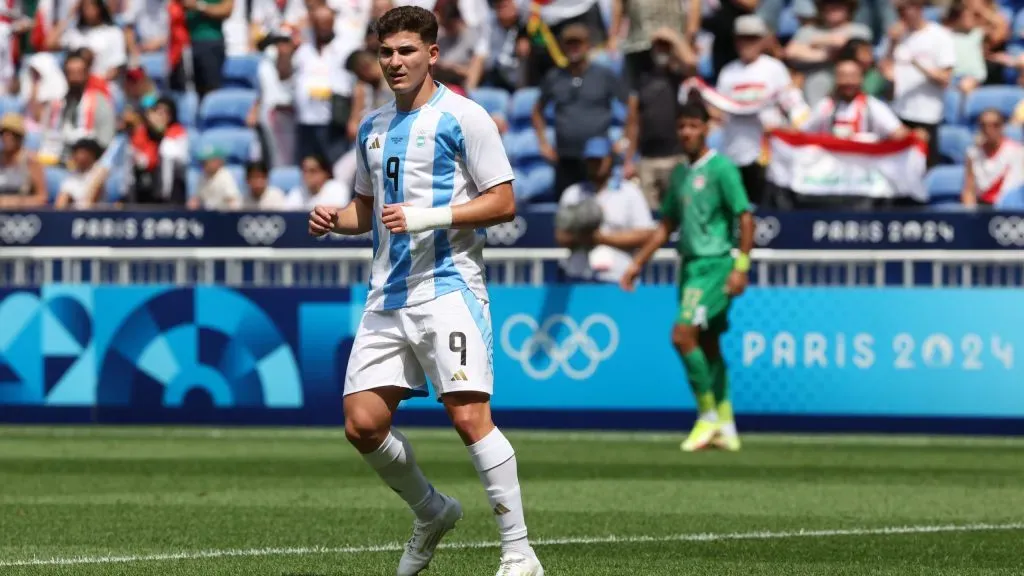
[{"x": 564, "y": 356}]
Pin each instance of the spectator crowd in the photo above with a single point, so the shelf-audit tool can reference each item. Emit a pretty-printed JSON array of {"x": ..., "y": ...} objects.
[{"x": 255, "y": 104}]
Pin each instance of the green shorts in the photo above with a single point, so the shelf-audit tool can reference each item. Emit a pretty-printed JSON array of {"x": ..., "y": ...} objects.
[{"x": 703, "y": 301}]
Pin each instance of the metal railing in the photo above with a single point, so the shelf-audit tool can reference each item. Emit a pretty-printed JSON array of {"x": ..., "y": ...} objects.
[{"x": 505, "y": 266}]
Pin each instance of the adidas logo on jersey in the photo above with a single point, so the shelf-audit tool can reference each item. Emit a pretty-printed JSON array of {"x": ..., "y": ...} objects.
[
  {"x": 375, "y": 145},
  {"x": 460, "y": 376}
]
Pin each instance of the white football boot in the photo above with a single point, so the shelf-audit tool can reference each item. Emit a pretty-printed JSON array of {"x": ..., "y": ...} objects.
[
  {"x": 516, "y": 564},
  {"x": 425, "y": 537}
]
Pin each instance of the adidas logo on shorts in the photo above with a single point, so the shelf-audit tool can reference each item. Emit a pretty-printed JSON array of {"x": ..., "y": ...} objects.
[{"x": 460, "y": 376}]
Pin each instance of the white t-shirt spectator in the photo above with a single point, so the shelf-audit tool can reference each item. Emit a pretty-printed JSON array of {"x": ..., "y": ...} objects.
[
  {"x": 236, "y": 29},
  {"x": 760, "y": 80},
  {"x": 106, "y": 43},
  {"x": 917, "y": 98},
  {"x": 273, "y": 199},
  {"x": 317, "y": 75},
  {"x": 863, "y": 115},
  {"x": 149, "y": 18},
  {"x": 219, "y": 192},
  {"x": 558, "y": 10},
  {"x": 332, "y": 193},
  {"x": 77, "y": 185},
  {"x": 351, "y": 22},
  {"x": 270, "y": 18},
  {"x": 624, "y": 208}
]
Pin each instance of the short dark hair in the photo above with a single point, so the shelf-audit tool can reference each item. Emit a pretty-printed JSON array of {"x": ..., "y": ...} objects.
[
  {"x": 77, "y": 54},
  {"x": 693, "y": 109},
  {"x": 321, "y": 161},
  {"x": 408, "y": 19},
  {"x": 172, "y": 107},
  {"x": 258, "y": 166},
  {"x": 850, "y": 49},
  {"x": 352, "y": 62}
]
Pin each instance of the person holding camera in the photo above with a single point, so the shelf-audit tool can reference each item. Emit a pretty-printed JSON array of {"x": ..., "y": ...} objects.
[{"x": 602, "y": 220}]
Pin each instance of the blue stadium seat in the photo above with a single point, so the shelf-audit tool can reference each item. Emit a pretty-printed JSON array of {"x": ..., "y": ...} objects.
[
  {"x": 525, "y": 149},
  {"x": 226, "y": 107},
  {"x": 9, "y": 104},
  {"x": 539, "y": 184},
  {"x": 934, "y": 13},
  {"x": 952, "y": 102},
  {"x": 716, "y": 139},
  {"x": 619, "y": 113},
  {"x": 953, "y": 142},
  {"x": 54, "y": 178},
  {"x": 33, "y": 140},
  {"x": 520, "y": 187},
  {"x": 613, "y": 62},
  {"x": 188, "y": 108},
  {"x": 156, "y": 67},
  {"x": 1014, "y": 133},
  {"x": 285, "y": 177},
  {"x": 944, "y": 184},
  {"x": 1011, "y": 73},
  {"x": 705, "y": 66},
  {"x": 114, "y": 189},
  {"x": 494, "y": 100},
  {"x": 787, "y": 25},
  {"x": 237, "y": 143},
  {"x": 520, "y": 107},
  {"x": 242, "y": 72},
  {"x": 1012, "y": 200},
  {"x": 1017, "y": 28},
  {"x": 1003, "y": 98},
  {"x": 117, "y": 94}
]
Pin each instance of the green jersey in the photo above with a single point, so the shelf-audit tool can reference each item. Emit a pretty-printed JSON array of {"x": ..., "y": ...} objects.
[
  {"x": 705, "y": 198},
  {"x": 201, "y": 27}
]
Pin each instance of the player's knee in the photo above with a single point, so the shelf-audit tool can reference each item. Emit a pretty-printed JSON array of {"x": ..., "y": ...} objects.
[
  {"x": 365, "y": 429},
  {"x": 471, "y": 417},
  {"x": 684, "y": 337}
]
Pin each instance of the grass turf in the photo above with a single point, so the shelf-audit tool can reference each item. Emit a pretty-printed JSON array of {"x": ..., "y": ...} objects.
[{"x": 130, "y": 492}]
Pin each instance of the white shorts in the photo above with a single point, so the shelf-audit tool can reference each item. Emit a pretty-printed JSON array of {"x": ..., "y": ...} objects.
[{"x": 447, "y": 339}]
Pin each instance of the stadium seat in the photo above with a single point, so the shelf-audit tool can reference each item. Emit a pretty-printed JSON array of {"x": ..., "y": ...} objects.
[
  {"x": 242, "y": 72},
  {"x": 934, "y": 13},
  {"x": 1002, "y": 98},
  {"x": 9, "y": 104},
  {"x": 226, "y": 107},
  {"x": 716, "y": 139},
  {"x": 285, "y": 177},
  {"x": 1012, "y": 73},
  {"x": 787, "y": 24},
  {"x": 613, "y": 62},
  {"x": 114, "y": 189},
  {"x": 619, "y": 113},
  {"x": 156, "y": 67},
  {"x": 188, "y": 108},
  {"x": 117, "y": 94},
  {"x": 33, "y": 140},
  {"x": 237, "y": 143},
  {"x": 706, "y": 66},
  {"x": 944, "y": 184},
  {"x": 494, "y": 100},
  {"x": 952, "y": 102},
  {"x": 1014, "y": 133},
  {"x": 953, "y": 142},
  {"x": 521, "y": 107},
  {"x": 539, "y": 183},
  {"x": 1012, "y": 200},
  {"x": 54, "y": 178},
  {"x": 1017, "y": 33}
]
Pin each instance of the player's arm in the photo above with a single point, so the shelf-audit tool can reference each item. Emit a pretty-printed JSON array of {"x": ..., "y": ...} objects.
[
  {"x": 735, "y": 196},
  {"x": 654, "y": 241}
]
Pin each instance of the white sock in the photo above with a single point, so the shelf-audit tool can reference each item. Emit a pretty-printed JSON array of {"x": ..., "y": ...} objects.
[
  {"x": 709, "y": 416},
  {"x": 495, "y": 462},
  {"x": 395, "y": 462}
]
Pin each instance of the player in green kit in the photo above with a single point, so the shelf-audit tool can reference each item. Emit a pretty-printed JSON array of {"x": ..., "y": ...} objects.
[{"x": 704, "y": 200}]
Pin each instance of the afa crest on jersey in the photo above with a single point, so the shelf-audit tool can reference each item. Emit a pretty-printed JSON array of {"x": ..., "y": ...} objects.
[{"x": 698, "y": 182}]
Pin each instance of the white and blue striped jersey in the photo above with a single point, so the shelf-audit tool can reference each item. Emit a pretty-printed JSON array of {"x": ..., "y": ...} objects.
[{"x": 444, "y": 153}]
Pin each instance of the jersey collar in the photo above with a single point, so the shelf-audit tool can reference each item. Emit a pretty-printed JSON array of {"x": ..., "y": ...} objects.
[{"x": 704, "y": 159}]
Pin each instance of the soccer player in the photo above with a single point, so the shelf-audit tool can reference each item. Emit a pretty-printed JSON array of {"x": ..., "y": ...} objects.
[
  {"x": 431, "y": 171},
  {"x": 704, "y": 200}
]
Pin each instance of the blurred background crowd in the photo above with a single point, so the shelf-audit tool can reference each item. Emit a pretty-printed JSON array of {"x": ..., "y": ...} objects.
[{"x": 254, "y": 104}]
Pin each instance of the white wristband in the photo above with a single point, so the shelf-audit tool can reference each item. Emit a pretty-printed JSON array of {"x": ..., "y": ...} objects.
[{"x": 420, "y": 219}]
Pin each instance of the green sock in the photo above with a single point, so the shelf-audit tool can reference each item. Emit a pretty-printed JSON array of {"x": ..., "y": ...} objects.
[
  {"x": 720, "y": 386},
  {"x": 699, "y": 375}
]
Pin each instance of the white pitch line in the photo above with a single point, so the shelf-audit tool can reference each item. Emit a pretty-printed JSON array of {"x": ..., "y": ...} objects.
[{"x": 577, "y": 540}]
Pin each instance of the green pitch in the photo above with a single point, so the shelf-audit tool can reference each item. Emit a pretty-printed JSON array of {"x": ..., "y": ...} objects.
[{"x": 110, "y": 501}]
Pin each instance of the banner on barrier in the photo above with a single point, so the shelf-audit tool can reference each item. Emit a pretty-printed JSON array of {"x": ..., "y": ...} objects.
[
  {"x": 532, "y": 228},
  {"x": 276, "y": 355}
]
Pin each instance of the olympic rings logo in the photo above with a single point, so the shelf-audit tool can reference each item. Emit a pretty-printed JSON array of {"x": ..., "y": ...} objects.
[
  {"x": 18, "y": 228},
  {"x": 766, "y": 230},
  {"x": 1007, "y": 230},
  {"x": 264, "y": 230},
  {"x": 543, "y": 341}
]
